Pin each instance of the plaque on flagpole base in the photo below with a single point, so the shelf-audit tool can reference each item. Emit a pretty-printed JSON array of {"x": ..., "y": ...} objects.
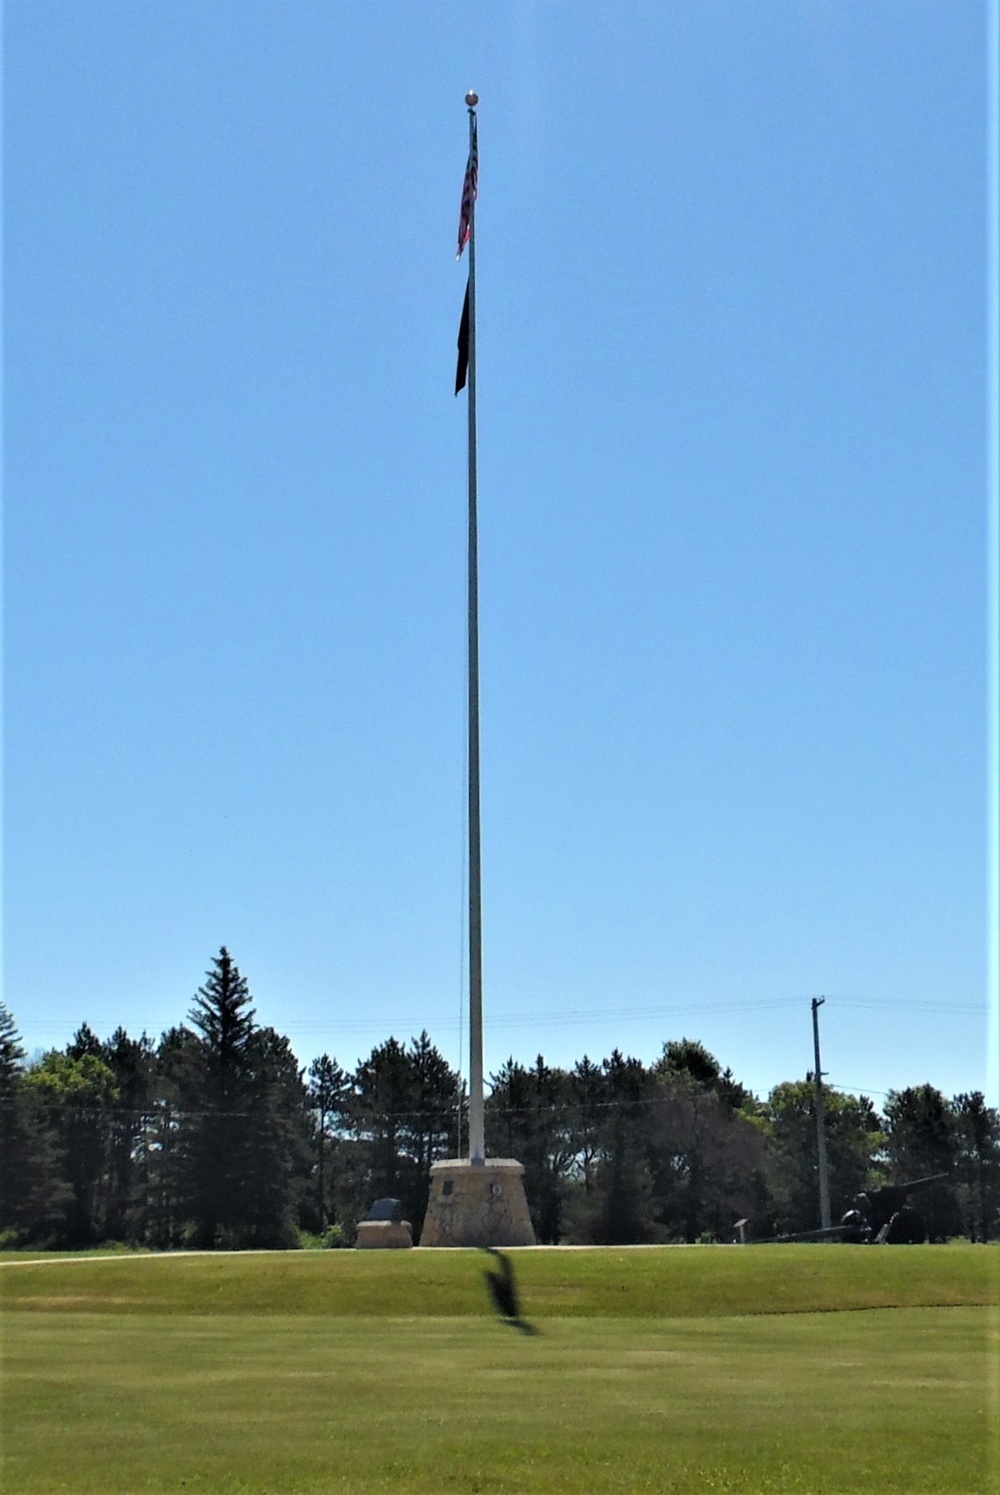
[{"x": 477, "y": 1204}]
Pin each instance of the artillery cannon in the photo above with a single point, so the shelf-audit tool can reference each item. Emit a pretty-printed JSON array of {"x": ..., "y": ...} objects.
[
  {"x": 886, "y": 1217},
  {"x": 880, "y": 1217}
]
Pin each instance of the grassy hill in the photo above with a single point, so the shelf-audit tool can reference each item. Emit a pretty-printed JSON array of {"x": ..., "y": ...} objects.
[
  {"x": 618, "y": 1282},
  {"x": 668, "y": 1370}
]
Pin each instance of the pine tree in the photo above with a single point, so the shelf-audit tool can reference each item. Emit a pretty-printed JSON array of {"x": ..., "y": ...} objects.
[
  {"x": 166, "y": 1137},
  {"x": 382, "y": 1104},
  {"x": 431, "y": 1130},
  {"x": 622, "y": 1202},
  {"x": 277, "y": 1142},
  {"x": 402, "y": 1113},
  {"x": 216, "y": 1091},
  {"x": 587, "y": 1101},
  {"x": 33, "y": 1195},
  {"x": 977, "y": 1168},
  {"x": 530, "y": 1116},
  {"x": 921, "y": 1140},
  {"x": 131, "y": 1061},
  {"x": 328, "y": 1090},
  {"x": 241, "y": 1149}
]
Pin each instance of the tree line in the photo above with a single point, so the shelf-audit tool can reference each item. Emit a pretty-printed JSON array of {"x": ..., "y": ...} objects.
[{"x": 216, "y": 1137}]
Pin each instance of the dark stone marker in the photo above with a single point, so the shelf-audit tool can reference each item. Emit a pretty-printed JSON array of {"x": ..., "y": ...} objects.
[{"x": 386, "y": 1209}]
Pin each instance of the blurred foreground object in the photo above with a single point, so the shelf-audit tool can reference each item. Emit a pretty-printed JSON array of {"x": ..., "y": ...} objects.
[{"x": 503, "y": 1291}]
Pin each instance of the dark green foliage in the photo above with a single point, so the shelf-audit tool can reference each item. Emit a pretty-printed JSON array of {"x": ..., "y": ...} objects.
[
  {"x": 329, "y": 1087},
  {"x": 402, "y": 1115},
  {"x": 213, "y": 1137},
  {"x": 529, "y": 1117},
  {"x": 662, "y": 1153},
  {"x": 922, "y": 1139},
  {"x": 215, "y": 1092},
  {"x": 707, "y": 1159},
  {"x": 621, "y": 1206},
  {"x": 585, "y": 1089},
  {"x": 853, "y": 1143},
  {"x": 165, "y": 1141},
  {"x": 688, "y": 1057},
  {"x": 33, "y": 1195},
  {"x": 977, "y": 1166},
  {"x": 380, "y": 1109},
  {"x": 431, "y": 1130},
  {"x": 278, "y": 1143},
  {"x": 132, "y": 1061},
  {"x": 96, "y": 1097},
  {"x": 240, "y": 1152},
  {"x": 76, "y": 1096}
]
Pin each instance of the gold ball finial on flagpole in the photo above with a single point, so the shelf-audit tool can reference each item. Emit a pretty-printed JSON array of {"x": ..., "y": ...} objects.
[{"x": 472, "y": 99}]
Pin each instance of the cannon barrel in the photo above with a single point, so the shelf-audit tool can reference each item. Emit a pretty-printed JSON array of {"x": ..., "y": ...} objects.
[{"x": 921, "y": 1183}]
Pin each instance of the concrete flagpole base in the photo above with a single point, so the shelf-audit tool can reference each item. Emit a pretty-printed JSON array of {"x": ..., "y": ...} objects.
[{"x": 477, "y": 1204}]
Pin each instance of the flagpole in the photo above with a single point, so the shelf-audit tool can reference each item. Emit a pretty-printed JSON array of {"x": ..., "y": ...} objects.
[
  {"x": 474, "y": 1201},
  {"x": 477, "y": 1138}
]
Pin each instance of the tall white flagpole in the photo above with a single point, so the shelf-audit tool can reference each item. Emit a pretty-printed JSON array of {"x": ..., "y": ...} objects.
[
  {"x": 474, "y": 1201},
  {"x": 477, "y": 1137}
]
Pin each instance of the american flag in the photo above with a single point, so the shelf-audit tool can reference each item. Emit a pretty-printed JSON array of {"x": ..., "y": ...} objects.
[{"x": 470, "y": 191}]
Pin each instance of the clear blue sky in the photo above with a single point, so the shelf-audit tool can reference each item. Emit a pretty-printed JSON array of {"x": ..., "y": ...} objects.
[{"x": 732, "y": 297}]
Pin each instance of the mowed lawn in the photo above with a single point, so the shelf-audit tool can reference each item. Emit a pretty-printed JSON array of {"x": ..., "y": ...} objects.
[{"x": 716, "y": 1369}]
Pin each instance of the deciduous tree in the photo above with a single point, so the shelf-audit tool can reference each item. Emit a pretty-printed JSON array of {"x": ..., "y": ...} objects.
[
  {"x": 76, "y": 1095},
  {"x": 853, "y": 1143}
]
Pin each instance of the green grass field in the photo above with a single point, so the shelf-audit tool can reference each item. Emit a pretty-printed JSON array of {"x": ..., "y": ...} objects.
[{"x": 813, "y": 1369}]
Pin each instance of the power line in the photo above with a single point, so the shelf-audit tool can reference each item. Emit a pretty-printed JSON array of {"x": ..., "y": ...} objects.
[
  {"x": 857, "y": 1089},
  {"x": 575, "y": 1017}
]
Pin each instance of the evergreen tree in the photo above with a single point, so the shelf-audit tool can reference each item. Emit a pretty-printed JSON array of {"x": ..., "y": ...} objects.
[
  {"x": 33, "y": 1196},
  {"x": 164, "y": 1214},
  {"x": 214, "y": 1155},
  {"x": 508, "y": 1107},
  {"x": 85, "y": 1041},
  {"x": 622, "y": 1212},
  {"x": 403, "y": 1113},
  {"x": 977, "y": 1165},
  {"x": 329, "y": 1087},
  {"x": 382, "y": 1105},
  {"x": 277, "y": 1143},
  {"x": 921, "y": 1140},
  {"x": 586, "y": 1100},
  {"x": 689, "y": 1057},
  {"x": 529, "y": 1116},
  {"x": 431, "y": 1130},
  {"x": 132, "y": 1062}
]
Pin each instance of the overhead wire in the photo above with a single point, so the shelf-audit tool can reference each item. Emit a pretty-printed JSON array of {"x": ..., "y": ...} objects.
[{"x": 574, "y": 1017}]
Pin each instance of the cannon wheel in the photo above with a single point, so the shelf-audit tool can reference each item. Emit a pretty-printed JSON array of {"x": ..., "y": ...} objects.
[{"x": 906, "y": 1228}]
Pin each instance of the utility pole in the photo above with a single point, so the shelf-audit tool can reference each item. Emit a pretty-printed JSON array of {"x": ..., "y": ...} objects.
[{"x": 824, "y": 1179}]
